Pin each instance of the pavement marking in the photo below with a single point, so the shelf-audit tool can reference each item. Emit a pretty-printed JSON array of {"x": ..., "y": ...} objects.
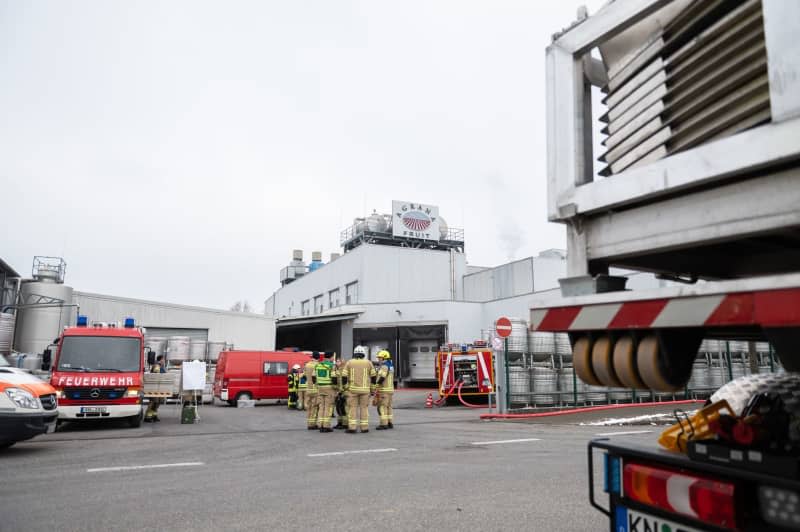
[
  {"x": 152, "y": 466},
  {"x": 504, "y": 441},
  {"x": 339, "y": 453},
  {"x": 623, "y": 433}
]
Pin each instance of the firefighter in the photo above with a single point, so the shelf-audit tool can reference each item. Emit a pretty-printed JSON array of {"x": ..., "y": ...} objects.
[
  {"x": 385, "y": 385},
  {"x": 302, "y": 387},
  {"x": 341, "y": 396},
  {"x": 357, "y": 374},
  {"x": 323, "y": 380},
  {"x": 311, "y": 391},
  {"x": 152, "y": 409},
  {"x": 293, "y": 379}
]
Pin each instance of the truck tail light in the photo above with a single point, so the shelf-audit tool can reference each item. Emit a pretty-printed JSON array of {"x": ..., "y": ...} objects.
[
  {"x": 704, "y": 499},
  {"x": 780, "y": 507}
]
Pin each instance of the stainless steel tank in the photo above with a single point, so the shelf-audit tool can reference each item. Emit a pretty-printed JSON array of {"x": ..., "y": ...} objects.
[
  {"x": 570, "y": 393},
  {"x": 376, "y": 223},
  {"x": 542, "y": 345},
  {"x": 518, "y": 339},
  {"x": 178, "y": 348},
  {"x": 6, "y": 332},
  {"x": 519, "y": 385},
  {"x": 214, "y": 349},
  {"x": 444, "y": 229},
  {"x": 37, "y": 327},
  {"x": 157, "y": 344},
  {"x": 543, "y": 385},
  {"x": 197, "y": 350}
]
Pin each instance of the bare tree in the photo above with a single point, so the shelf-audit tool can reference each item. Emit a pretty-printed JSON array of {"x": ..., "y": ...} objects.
[{"x": 241, "y": 306}]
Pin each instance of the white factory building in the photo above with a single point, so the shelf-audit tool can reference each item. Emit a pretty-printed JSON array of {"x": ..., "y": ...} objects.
[
  {"x": 407, "y": 293},
  {"x": 35, "y": 309}
]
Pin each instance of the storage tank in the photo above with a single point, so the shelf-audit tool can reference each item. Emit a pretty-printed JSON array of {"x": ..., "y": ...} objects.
[
  {"x": 444, "y": 229},
  {"x": 157, "y": 344},
  {"x": 519, "y": 385},
  {"x": 6, "y": 332},
  {"x": 214, "y": 349},
  {"x": 518, "y": 339},
  {"x": 38, "y": 325},
  {"x": 543, "y": 385},
  {"x": 197, "y": 350},
  {"x": 178, "y": 348},
  {"x": 376, "y": 223}
]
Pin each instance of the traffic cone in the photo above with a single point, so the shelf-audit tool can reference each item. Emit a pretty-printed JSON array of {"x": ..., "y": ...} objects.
[{"x": 429, "y": 401}]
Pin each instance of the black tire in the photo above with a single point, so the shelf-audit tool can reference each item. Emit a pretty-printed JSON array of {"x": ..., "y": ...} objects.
[
  {"x": 135, "y": 422},
  {"x": 231, "y": 403},
  {"x": 59, "y": 425},
  {"x": 6, "y": 444},
  {"x": 246, "y": 396}
]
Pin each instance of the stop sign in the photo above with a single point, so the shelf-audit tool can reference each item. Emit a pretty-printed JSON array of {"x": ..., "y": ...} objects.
[{"x": 503, "y": 327}]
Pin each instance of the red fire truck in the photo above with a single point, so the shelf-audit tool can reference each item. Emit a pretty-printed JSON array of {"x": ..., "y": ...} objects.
[
  {"x": 465, "y": 370},
  {"x": 97, "y": 372}
]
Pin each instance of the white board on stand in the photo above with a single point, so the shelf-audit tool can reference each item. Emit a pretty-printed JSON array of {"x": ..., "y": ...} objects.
[{"x": 194, "y": 375}]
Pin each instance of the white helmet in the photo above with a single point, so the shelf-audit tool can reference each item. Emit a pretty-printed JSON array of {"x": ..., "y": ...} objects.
[
  {"x": 360, "y": 350},
  {"x": 296, "y": 366}
]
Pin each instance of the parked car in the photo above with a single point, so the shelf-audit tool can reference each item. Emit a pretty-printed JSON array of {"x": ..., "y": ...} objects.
[
  {"x": 255, "y": 374},
  {"x": 28, "y": 406}
]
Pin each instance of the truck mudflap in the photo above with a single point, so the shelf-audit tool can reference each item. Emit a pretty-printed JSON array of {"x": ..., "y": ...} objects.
[{"x": 650, "y": 489}]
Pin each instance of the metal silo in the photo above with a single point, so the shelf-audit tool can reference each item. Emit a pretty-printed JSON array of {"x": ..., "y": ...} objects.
[{"x": 47, "y": 305}]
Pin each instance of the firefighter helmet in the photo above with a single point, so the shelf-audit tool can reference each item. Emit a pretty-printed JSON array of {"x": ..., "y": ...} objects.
[
  {"x": 384, "y": 355},
  {"x": 360, "y": 351},
  {"x": 296, "y": 366}
]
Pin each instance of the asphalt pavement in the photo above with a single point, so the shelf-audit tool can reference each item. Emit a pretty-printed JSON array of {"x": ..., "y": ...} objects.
[{"x": 260, "y": 469}]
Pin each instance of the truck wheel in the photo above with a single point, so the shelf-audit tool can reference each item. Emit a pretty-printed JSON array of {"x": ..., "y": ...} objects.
[
  {"x": 582, "y": 361},
  {"x": 6, "y": 444},
  {"x": 625, "y": 363},
  {"x": 603, "y": 362},
  {"x": 231, "y": 403},
  {"x": 135, "y": 422},
  {"x": 245, "y": 396}
]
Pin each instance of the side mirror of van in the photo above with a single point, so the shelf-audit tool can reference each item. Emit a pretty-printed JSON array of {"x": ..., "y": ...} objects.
[{"x": 47, "y": 359}]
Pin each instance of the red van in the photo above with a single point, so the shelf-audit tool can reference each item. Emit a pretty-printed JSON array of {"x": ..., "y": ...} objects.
[{"x": 255, "y": 374}]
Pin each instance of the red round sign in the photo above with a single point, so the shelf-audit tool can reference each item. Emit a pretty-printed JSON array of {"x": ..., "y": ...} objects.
[{"x": 503, "y": 327}]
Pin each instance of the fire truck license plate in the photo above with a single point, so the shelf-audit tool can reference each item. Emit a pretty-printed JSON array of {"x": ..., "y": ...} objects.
[
  {"x": 633, "y": 521},
  {"x": 93, "y": 410}
]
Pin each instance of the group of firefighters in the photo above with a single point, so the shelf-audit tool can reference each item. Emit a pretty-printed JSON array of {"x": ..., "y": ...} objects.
[{"x": 324, "y": 387}]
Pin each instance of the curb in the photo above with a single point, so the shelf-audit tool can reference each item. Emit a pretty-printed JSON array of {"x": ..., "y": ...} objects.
[{"x": 588, "y": 409}]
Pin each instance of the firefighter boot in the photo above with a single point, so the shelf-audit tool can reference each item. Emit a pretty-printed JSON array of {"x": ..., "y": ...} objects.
[{"x": 391, "y": 426}]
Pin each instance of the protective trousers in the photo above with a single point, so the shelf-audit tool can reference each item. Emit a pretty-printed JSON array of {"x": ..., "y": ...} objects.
[
  {"x": 152, "y": 408},
  {"x": 312, "y": 405},
  {"x": 358, "y": 410},
  {"x": 325, "y": 398},
  {"x": 342, "y": 401},
  {"x": 385, "y": 408},
  {"x": 301, "y": 399},
  {"x": 292, "y": 402}
]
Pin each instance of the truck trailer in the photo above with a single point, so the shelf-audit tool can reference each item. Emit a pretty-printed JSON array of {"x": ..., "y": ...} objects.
[{"x": 699, "y": 184}]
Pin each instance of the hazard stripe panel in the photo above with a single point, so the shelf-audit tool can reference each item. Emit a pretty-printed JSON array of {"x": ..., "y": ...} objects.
[{"x": 769, "y": 308}]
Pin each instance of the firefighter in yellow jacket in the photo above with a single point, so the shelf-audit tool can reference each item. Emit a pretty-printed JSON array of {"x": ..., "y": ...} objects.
[
  {"x": 326, "y": 395},
  {"x": 311, "y": 391},
  {"x": 302, "y": 388},
  {"x": 357, "y": 374},
  {"x": 341, "y": 396},
  {"x": 385, "y": 390}
]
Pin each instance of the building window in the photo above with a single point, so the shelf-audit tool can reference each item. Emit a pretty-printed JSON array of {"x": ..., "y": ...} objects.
[
  {"x": 276, "y": 368},
  {"x": 318, "y": 305},
  {"x": 333, "y": 298},
  {"x": 305, "y": 308},
  {"x": 351, "y": 293}
]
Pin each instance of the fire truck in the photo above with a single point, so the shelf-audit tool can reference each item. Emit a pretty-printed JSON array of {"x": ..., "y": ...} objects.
[
  {"x": 465, "y": 370},
  {"x": 699, "y": 184},
  {"x": 97, "y": 371}
]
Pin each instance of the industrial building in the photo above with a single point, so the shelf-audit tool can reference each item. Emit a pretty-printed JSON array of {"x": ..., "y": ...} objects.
[
  {"x": 35, "y": 310},
  {"x": 403, "y": 283}
]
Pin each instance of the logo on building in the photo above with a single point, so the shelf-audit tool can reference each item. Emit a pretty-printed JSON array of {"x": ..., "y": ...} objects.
[{"x": 415, "y": 220}]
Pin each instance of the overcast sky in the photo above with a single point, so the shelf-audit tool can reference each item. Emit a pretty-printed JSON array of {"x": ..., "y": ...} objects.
[{"x": 179, "y": 151}]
